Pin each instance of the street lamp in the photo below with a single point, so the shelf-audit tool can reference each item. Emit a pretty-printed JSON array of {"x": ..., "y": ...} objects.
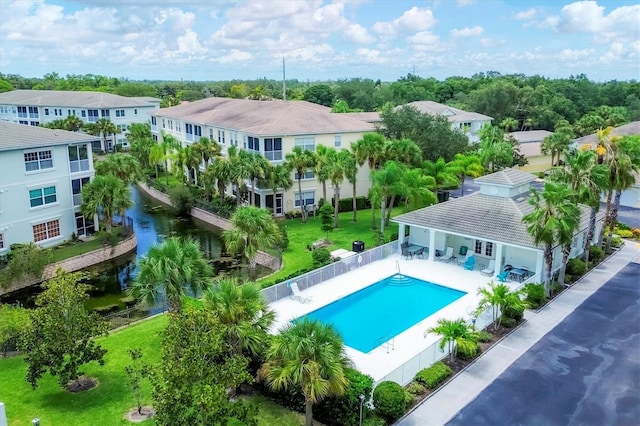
[{"x": 361, "y": 402}]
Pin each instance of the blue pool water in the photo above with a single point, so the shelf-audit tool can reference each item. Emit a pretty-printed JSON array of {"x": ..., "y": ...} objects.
[{"x": 368, "y": 318}]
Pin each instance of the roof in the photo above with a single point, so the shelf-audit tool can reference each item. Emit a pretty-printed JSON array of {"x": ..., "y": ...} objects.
[
  {"x": 507, "y": 177},
  {"x": 531, "y": 149},
  {"x": 632, "y": 128},
  {"x": 530, "y": 136},
  {"x": 369, "y": 117},
  {"x": 454, "y": 115},
  {"x": 272, "y": 117},
  {"x": 20, "y": 136},
  {"x": 62, "y": 98},
  {"x": 481, "y": 216}
]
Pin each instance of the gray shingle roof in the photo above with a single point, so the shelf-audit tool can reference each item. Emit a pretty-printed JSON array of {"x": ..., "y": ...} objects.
[
  {"x": 20, "y": 136},
  {"x": 274, "y": 117},
  {"x": 507, "y": 177},
  {"x": 632, "y": 128},
  {"x": 485, "y": 217},
  {"x": 454, "y": 115},
  {"x": 530, "y": 136},
  {"x": 62, "y": 98}
]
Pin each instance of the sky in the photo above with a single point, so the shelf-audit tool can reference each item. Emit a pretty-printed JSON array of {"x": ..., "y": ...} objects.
[{"x": 320, "y": 39}]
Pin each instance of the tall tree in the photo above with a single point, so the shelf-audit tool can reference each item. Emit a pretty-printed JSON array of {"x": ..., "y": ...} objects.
[
  {"x": 321, "y": 167},
  {"x": 300, "y": 161},
  {"x": 257, "y": 167},
  {"x": 419, "y": 190},
  {"x": 307, "y": 355},
  {"x": 351, "y": 174},
  {"x": 370, "y": 149},
  {"x": 388, "y": 182},
  {"x": 556, "y": 144},
  {"x": 509, "y": 124},
  {"x": 404, "y": 151},
  {"x": 105, "y": 195},
  {"x": 207, "y": 148},
  {"x": 123, "y": 166},
  {"x": 103, "y": 128},
  {"x": 337, "y": 163},
  {"x": 162, "y": 152},
  {"x": 445, "y": 175},
  {"x": 171, "y": 269},
  {"x": 467, "y": 165},
  {"x": 278, "y": 179},
  {"x": 218, "y": 173},
  {"x": 496, "y": 153},
  {"x": 141, "y": 141}
]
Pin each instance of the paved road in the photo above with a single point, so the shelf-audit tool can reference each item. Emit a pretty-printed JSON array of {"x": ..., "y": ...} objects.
[{"x": 586, "y": 371}]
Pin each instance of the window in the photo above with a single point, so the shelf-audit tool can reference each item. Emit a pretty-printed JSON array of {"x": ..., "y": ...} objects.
[
  {"x": 34, "y": 123},
  {"x": 44, "y": 231},
  {"x": 76, "y": 188},
  {"x": 170, "y": 124},
  {"x": 1, "y": 241},
  {"x": 233, "y": 138},
  {"x": 84, "y": 226},
  {"x": 211, "y": 134},
  {"x": 197, "y": 130},
  {"x": 221, "y": 137},
  {"x": 306, "y": 175},
  {"x": 488, "y": 249},
  {"x": 38, "y": 160},
  {"x": 337, "y": 141},
  {"x": 307, "y": 144},
  {"x": 154, "y": 121},
  {"x": 83, "y": 113},
  {"x": 24, "y": 122},
  {"x": 478, "y": 248},
  {"x": 105, "y": 113},
  {"x": 22, "y": 112},
  {"x": 273, "y": 149},
  {"x": 253, "y": 144},
  {"x": 135, "y": 112},
  {"x": 123, "y": 128},
  {"x": 46, "y": 111},
  {"x": 163, "y": 124},
  {"x": 78, "y": 158},
  {"x": 119, "y": 113},
  {"x": 308, "y": 198},
  {"x": 33, "y": 112},
  {"x": 93, "y": 115},
  {"x": 42, "y": 196}
]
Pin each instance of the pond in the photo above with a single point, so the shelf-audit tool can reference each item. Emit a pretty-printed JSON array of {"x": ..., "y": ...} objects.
[{"x": 152, "y": 223}]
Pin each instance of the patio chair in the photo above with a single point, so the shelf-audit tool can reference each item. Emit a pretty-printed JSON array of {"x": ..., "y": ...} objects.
[
  {"x": 470, "y": 263},
  {"x": 448, "y": 256},
  {"x": 463, "y": 250},
  {"x": 296, "y": 295},
  {"x": 406, "y": 253},
  {"x": 489, "y": 269},
  {"x": 502, "y": 276},
  {"x": 420, "y": 252}
]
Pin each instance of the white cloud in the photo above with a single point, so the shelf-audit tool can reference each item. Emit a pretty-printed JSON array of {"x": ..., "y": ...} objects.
[
  {"x": 490, "y": 42},
  {"x": 234, "y": 56},
  {"x": 358, "y": 34},
  {"x": 462, "y": 3},
  {"x": 525, "y": 14},
  {"x": 424, "y": 38},
  {"x": 315, "y": 53},
  {"x": 574, "y": 54},
  {"x": 188, "y": 44},
  {"x": 467, "y": 32},
  {"x": 371, "y": 56},
  {"x": 414, "y": 19}
]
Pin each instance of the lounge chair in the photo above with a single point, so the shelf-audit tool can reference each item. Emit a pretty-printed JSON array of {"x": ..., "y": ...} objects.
[
  {"x": 448, "y": 256},
  {"x": 489, "y": 269},
  {"x": 463, "y": 250},
  {"x": 470, "y": 263},
  {"x": 502, "y": 276},
  {"x": 296, "y": 295}
]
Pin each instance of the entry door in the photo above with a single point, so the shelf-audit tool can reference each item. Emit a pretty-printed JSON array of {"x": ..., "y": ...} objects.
[{"x": 279, "y": 211}]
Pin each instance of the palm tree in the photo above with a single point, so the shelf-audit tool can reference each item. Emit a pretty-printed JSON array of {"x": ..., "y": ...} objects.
[
  {"x": 499, "y": 298},
  {"x": 467, "y": 165},
  {"x": 455, "y": 334},
  {"x": 257, "y": 166},
  {"x": 186, "y": 157},
  {"x": 445, "y": 174},
  {"x": 238, "y": 168},
  {"x": 141, "y": 141},
  {"x": 403, "y": 151},
  {"x": 336, "y": 164},
  {"x": 555, "y": 144},
  {"x": 370, "y": 149},
  {"x": 509, "y": 124},
  {"x": 171, "y": 268},
  {"x": 218, "y": 173},
  {"x": 207, "y": 149},
  {"x": 307, "y": 355},
  {"x": 73, "y": 123},
  {"x": 278, "y": 179},
  {"x": 253, "y": 228},
  {"x": 554, "y": 216},
  {"x": 244, "y": 313},
  {"x": 102, "y": 128},
  {"x": 351, "y": 173},
  {"x": 123, "y": 166},
  {"x": 388, "y": 182},
  {"x": 300, "y": 161},
  {"x": 419, "y": 190},
  {"x": 320, "y": 169},
  {"x": 160, "y": 153},
  {"x": 106, "y": 195}
]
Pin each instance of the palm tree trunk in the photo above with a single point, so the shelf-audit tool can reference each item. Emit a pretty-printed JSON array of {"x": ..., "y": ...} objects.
[
  {"x": 548, "y": 259},
  {"x": 336, "y": 204},
  {"x": 308, "y": 412},
  {"x": 590, "y": 232},
  {"x": 324, "y": 190},
  {"x": 462, "y": 185},
  {"x": 302, "y": 209},
  {"x": 566, "y": 250},
  {"x": 613, "y": 219},
  {"x": 606, "y": 215},
  {"x": 391, "y": 203},
  {"x": 354, "y": 203},
  {"x": 383, "y": 204},
  {"x": 253, "y": 191}
]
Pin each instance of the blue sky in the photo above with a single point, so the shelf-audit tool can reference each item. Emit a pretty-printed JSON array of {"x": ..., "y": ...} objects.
[{"x": 379, "y": 39}]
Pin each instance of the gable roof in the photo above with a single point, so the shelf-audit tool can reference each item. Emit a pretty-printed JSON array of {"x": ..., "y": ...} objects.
[
  {"x": 632, "y": 128},
  {"x": 454, "y": 115},
  {"x": 20, "y": 136},
  {"x": 63, "y": 98},
  {"x": 530, "y": 136},
  {"x": 272, "y": 117},
  {"x": 507, "y": 177}
]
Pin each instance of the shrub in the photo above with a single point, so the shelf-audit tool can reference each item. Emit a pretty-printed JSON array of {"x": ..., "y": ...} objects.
[
  {"x": 568, "y": 279},
  {"x": 576, "y": 267},
  {"x": 468, "y": 351},
  {"x": 596, "y": 254},
  {"x": 515, "y": 313},
  {"x": 321, "y": 257},
  {"x": 616, "y": 242},
  {"x": 408, "y": 399},
  {"x": 378, "y": 238},
  {"x": 556, "y": 287},
  {"x": 389, "y": 400},
  {"x": 182, "y": 200},
  {"x": 636, "y": 232},
  {"x": 508, "y": 322},
  {"x": 372, "y": 419},
  {"x": 431, "y": 377},
  {"x": 340, "y": 410},
  {"x": 622, "y": 226},
  {"x": 484, "y": 336},
  {"x": 415, "y": 388},
  {"x": 623, "y": 233},
  {"x": 535, "y": 296},
  {"x": 393, "y": 237},
  {"x": 346, "y": 204}
]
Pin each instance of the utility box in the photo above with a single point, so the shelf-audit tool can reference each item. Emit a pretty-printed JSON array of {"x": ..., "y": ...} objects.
[{"x": 357, "y": 246}]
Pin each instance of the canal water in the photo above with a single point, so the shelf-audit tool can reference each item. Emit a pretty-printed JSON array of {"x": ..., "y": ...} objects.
[{"x": 151, "y": 223}]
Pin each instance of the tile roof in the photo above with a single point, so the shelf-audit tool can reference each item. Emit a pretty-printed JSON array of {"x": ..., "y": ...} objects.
[
  {"x": 531, "y": 149},
  {"x": 507, "y": 177},
  {"x": 20, "y": 136},
  {"x": 530, "y": 136},
  {"x": 272, "y": 117},
  {"x": 481, "y": 216},
  {"x": 54, "y": 98},
  {"x": 454, "y": 115},
  {"x": 632, "y": 128}
]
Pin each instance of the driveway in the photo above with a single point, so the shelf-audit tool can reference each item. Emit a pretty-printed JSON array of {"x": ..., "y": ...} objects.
[{"x": 586, "y": 371}]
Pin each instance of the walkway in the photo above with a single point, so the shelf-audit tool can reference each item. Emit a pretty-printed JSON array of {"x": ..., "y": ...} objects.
[{"x": 466, "y": 387}]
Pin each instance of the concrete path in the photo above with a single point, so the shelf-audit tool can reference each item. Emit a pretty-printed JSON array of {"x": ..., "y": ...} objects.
[{"x": 465, "y": 388}]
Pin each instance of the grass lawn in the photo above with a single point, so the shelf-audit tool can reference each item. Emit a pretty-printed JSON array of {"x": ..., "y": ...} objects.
[
  {"x": 107, "y": 403},
  {"x": 75, "y": 249},
  {"x": 300, "y": 235}
]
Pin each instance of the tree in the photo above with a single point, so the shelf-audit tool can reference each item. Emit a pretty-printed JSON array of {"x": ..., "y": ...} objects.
[
  {"x": 253, "y": 228},
  {"x": 141, "y": 142},
  {"x": 300, "y": 161},
  {"x": 326, "y": 220},
  {"x": 197, "y": 366},
  {"x": 171, "y": 269},
  {"x": 467, "y": 165},
  {"x": 338, "y": 161},
  {"x": 136, "y": 372},
  {"x": 419, "y": 189},
  {"x": 106, "y": 195},
  {"x": 556, "y": 144},
  {"x": 319, "y": 94},
  {"x": 239, "y": 170},
  {"x": 509, "y": 124},
  {"x": 351, "y": 174},
  {"x": 404, "y": 151},
  {"x": 257, "y": 167},
  {"x": 370, "y": 149},
  {"x": 186, "y": 157},
  {"x": 445, "y": 175},
  {"x": 123, "y": 166},
  {"x": 278, "y": 179},
  {"x": 388, "y": 182},
  {"x": 309, "y": 355},
  {"x": 61, "y": 336},
  {"x": 207, "y": 148},
  {"x": 456, "y": 334},
  {"x": 243, "y": 312},
  {"x": 499, "y": 298},
  {"x": 321, "y": 160},
  {"x": 161, "y": 152},
  {"x": 14, "y": 322},
  {"x": 218, "y": 174},
  {"x": 103, "y": 128},
  {"x": 496, "y": 153},
  {"x": 554, "y": 216}
]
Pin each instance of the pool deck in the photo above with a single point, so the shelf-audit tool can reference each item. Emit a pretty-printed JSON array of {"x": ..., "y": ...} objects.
[{"x": 381, "y": 361}]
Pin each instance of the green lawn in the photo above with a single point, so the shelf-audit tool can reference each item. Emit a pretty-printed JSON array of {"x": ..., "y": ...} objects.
[
  {"x": 300, "y": 235},
  {"x": 106, "y": 404},
  {"x": 76, "y": 249}
]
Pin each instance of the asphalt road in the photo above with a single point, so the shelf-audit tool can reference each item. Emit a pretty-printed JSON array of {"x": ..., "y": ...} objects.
[{"x": 586, "y": 371}]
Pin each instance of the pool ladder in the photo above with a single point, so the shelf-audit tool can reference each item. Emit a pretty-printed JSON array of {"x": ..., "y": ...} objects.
[{"x": 387, "y": 343}]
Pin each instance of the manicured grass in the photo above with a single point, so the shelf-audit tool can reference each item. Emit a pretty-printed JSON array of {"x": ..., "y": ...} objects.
[
  {"x": 300, "y": 235},
  {"x": 76, "y": 249},
  {"x": 272, "y": 414}
]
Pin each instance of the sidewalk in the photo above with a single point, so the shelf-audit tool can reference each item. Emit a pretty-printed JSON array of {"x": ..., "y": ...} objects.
[{"x": 449, "y": 400}]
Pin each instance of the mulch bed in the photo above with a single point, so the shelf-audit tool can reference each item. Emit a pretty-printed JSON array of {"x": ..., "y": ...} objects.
[{"x": 81, "y": 384}]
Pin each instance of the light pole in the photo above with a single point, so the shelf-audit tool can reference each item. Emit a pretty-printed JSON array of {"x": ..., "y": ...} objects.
[{"x": 361, "y": 402}]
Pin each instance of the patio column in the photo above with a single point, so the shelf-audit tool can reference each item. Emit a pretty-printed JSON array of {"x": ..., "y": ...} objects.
[
  {"x": 498, "y": 259},
  {"x": 539, "y": 263},
  {"x": 401, "y": 236},
  {"x": 432, "y": 244}
]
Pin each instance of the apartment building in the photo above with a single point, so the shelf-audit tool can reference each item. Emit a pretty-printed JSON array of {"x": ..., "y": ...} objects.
[
  {"x": 42, "y": 172},
  {"x": 272, "y": 128},
  {"x": 36, "y": 107},
  {"x": 467, "y": 122}
]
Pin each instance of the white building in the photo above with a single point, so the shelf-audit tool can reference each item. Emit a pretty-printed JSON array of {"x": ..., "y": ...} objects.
[
  {"x": 469, "y": 123},
  {"x": 273, "y": 129},
  {"x": 42, "y": 172},
  {"x": 36, "y": 107}
]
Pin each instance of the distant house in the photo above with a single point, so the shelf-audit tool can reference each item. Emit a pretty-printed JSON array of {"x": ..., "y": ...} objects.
[
  {"x": 531, "y": 147},
  {"x": 42, "y": 173},
  {"x": 630, "y": 197},
  {"x": 36, "y": 107}
]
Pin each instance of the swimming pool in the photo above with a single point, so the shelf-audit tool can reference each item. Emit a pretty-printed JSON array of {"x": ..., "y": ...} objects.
[{"x": 368, "y": 318}]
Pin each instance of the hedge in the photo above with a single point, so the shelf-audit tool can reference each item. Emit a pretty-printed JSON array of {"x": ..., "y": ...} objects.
[
  {"x": 432, "y": 376},
  {"x": 389, "y": 400}
]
